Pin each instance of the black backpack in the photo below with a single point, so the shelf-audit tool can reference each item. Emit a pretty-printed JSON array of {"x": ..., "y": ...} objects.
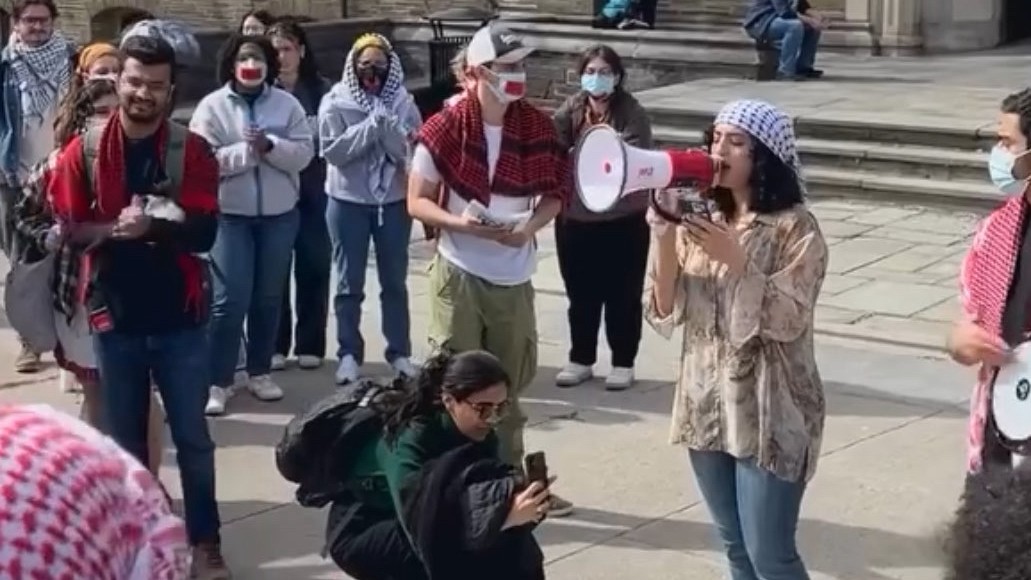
[{"x": 319, "y": 445}]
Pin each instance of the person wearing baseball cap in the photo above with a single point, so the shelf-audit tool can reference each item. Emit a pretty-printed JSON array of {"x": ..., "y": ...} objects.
[{"x": 505, "y": 177}]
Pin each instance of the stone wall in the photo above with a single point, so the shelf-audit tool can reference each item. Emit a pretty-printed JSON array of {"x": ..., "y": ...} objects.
[{"x": 99, "y": 19}]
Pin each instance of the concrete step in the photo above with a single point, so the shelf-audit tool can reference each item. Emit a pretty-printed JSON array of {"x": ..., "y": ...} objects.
[
  {"x": 917, "y": 161},
  {"x": 944, "y": 134},
  {"x": 889, "y": 172}
]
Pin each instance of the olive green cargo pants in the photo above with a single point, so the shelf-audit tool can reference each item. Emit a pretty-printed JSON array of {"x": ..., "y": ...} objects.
[{"x": 469, "y": 313}]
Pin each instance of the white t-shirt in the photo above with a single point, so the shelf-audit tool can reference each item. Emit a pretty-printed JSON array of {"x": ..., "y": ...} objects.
[{"x": 496, "y": 263}]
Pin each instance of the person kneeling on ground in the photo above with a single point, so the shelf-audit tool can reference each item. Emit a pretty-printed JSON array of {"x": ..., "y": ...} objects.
[
  {"x": 468, "y": 514},
  {"x": 990, "y": 538}
]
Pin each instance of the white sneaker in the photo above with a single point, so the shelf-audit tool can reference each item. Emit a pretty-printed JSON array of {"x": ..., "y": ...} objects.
[
  {"x": 217, "y": 399},
  {"x": 240, "y": 379},
  {"x": 347, "y": 370},
  {"x": 309, "y": 362},
  {"x": 278, "y": 362},
  {"x": 403, "y": 366},
  {"x": 264, "y": 389},
  {"x": 573, "y": 374},
  {"x": 69, "y": 384},
  {"x": 620, "y": 379}
]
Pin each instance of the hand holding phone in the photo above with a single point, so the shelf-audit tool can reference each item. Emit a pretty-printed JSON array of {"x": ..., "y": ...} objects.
[{"x": 537, "y": 468}]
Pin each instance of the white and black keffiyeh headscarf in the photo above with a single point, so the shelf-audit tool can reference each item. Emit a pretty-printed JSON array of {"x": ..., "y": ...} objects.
[
  {"x": 392, "y": 87},
  {"x": 41, "y": 73},
  {"x": 768, "y": 125}
]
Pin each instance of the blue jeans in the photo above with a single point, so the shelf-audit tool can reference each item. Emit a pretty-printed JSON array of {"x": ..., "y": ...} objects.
[
  {"x": 351, "y": 226},
  {"x": 797, "y": 43},
  {"x": 250, "y": 260},
  {"x": 178, "y": 363},
  {"x": 756, "y": 516}
]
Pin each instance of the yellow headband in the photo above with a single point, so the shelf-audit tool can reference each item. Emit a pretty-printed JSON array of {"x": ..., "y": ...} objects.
[
  {"x": 93, "y": 53},
  {"x": 372, "y": 39}
]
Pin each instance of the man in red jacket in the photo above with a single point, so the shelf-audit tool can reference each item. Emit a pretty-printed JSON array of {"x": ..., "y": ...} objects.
[{"x": 141, "y": 280}]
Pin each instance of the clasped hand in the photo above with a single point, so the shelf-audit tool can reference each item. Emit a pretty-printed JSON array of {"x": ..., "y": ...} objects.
[
  {"x": 258, "y": 140},
  {"x": 132, "y": 223},
  {"x": 500, "y": 234}
]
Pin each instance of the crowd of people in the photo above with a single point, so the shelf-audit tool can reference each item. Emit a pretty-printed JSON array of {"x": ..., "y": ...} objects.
[{"x": 172, "y": 253}]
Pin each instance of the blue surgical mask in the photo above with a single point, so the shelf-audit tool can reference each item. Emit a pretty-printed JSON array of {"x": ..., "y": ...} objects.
[
  {"x": 1000, "y": 167},
  {"x": 598, "y": 85}
]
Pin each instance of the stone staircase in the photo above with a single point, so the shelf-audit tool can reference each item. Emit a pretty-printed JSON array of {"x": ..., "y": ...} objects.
[{"x": 855, "y": 158}]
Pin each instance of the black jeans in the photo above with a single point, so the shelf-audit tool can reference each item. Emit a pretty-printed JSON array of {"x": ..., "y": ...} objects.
[
  {"x": 602, "y": 266},
  {"x": 311, "y": 265},
  {"x": 372, "y": 547}
]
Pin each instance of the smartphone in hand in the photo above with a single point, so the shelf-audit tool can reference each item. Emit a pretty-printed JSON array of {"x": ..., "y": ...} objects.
[{"x": 536, "y": 468}]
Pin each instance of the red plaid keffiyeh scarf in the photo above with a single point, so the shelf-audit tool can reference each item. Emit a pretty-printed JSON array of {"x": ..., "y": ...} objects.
[
  {"x": 985, "y": 279},
  {"x": 531, "y": 162}
]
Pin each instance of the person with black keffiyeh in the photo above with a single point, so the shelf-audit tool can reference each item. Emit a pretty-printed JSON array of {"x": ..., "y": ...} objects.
[
  {"x": 506, "y": 179},
  {"x": 35, "y": 72}
]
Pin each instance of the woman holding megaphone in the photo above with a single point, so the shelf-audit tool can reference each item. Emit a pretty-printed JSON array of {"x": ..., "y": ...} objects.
[{"x": 743, "y": 282}]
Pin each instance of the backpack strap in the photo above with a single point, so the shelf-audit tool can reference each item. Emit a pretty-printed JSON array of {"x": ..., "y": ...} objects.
[{"x": 175, "y": 153}]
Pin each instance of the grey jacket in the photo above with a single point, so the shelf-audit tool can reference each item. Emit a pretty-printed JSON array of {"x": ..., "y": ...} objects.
[
  {"x": 631, "y": 120},
  {"x": 251, "y": 184},
  {"x": 366, "y": 154}
]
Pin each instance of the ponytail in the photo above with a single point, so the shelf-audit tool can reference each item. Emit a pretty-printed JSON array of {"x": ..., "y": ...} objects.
[{"x": 424, "y": 399}]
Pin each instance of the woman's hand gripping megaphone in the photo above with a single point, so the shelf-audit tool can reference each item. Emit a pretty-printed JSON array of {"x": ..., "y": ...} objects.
[{"x": 672, "y": 205}]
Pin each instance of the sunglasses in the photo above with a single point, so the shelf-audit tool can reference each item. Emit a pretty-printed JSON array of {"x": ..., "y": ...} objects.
[{"x": 488, "y": 411}]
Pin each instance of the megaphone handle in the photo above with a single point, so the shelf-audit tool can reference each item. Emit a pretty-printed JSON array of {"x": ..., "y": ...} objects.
[{"x": 653, "y": 198}]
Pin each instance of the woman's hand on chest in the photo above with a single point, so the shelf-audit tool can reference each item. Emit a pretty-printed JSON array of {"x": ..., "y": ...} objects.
[{"x": 719, "y": 241}]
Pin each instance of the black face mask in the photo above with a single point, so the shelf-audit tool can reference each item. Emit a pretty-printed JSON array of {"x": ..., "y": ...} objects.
[{"x": 372, "y": 75}]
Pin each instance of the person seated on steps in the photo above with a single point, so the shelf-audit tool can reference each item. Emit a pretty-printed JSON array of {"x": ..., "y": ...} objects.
[
  {"x": 626, "y": 14},
  {"x": 794, "y": 28}
]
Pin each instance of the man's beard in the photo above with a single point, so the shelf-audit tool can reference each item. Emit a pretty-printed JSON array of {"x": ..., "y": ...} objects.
[{"x": 156, "y": 112}]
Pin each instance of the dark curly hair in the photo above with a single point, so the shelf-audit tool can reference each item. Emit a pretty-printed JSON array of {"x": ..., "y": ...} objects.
[
  {"x": 1019, "y": 104},
  {"x": 77, "y": 108},
  {"x": 227, "y": 57},
  {"x": 459, "y": 375},
  {"x": 990, "y": 538},
  {"x": 775, "y": 185}
]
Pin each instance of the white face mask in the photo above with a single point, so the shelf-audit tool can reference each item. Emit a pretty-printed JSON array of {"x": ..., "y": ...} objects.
[{"x": 509, "y": 86}]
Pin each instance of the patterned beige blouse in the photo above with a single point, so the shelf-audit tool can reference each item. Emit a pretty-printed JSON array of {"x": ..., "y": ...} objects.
[{"x": 748, "y": 383}]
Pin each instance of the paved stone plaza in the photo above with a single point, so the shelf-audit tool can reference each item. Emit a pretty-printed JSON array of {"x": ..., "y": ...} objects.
[{"x": 892, "y": 457}]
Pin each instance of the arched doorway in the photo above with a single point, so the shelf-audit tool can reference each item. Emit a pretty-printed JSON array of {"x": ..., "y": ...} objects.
[
  {"x": 5, "y": 27},
  {"x": 109, "y": 23}
]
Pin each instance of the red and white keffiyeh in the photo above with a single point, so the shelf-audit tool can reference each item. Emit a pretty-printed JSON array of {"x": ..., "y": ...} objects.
[
  {"x": 985, "y": 278},
  {"x": 74, "y": 505}
]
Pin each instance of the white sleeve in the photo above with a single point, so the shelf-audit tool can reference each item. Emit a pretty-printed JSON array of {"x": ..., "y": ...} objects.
[{"x": 423, "y": 164}]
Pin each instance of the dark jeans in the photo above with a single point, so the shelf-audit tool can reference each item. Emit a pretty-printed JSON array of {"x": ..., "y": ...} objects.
[
  {"x": 602, "y": 266},
  {"x": 250, "y": 260},
  {"x": 351, "y": 227},
  {"x": 178, "y": 363},
  {"x": 312, "y": 255},
  {"x": 756, "y": 516},
  {"x": 373, "y": 548}
]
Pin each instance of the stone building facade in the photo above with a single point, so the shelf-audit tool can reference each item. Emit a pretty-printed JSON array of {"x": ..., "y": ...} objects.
[{"x": 893, "y": 26}]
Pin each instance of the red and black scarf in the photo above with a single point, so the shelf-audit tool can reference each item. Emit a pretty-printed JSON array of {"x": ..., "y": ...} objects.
[
  {"x": 531, "y": 161},
  {"x": 108, "y": 195}
]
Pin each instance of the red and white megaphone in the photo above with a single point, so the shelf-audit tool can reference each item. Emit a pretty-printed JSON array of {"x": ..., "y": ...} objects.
[{"x": 608, "y": 169}]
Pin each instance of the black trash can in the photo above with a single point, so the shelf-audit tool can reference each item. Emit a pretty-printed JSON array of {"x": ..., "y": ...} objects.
[{"x": 443, "y": 49}]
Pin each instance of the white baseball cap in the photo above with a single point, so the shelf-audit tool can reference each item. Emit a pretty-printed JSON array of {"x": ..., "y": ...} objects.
[{"x": 495, "y": 43}]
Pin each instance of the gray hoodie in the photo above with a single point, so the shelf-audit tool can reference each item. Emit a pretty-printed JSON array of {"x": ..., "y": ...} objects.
[{"x": 366, "y": 153}]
